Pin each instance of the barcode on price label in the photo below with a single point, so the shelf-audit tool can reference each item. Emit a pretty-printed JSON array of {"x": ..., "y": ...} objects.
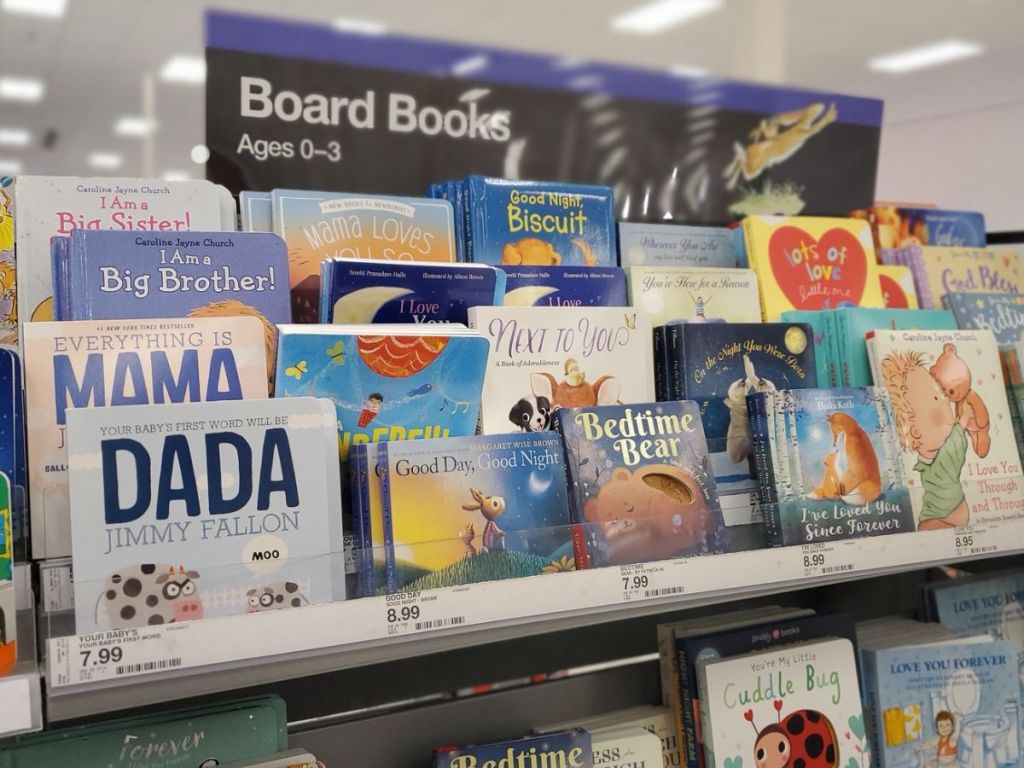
[
  {"x": 147, "y": 666},
  {"x": 983, "y": 550},
  {"x": 453, "y": 621},
  {"x": 664, "y": 591},
  {"x": 836, "y": 569}
]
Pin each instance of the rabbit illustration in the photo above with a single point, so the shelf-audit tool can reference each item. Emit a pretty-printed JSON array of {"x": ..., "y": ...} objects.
[
  {"x": 738, "y": 442},
  {"x": 466, "y": 535},
  {"x": 491, "y": 507}
]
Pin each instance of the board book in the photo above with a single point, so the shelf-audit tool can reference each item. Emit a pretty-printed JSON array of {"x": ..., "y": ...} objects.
[
  {"x": 694, "y": 294},
  {"x": 70, "y": 365},
  {"x": 898, "y": 291},
  {"x": 939, "y": 270},
  {"x": 568, "y": 749},
  {"x": 256, "y": 211},
  {"x": 559, "y": 286},
  {"x": 185, "y": 511},
  {"x": 894, "y": 226},
  {"x": 1003, "y": 314},
  {"x": 674, "y": 245}
]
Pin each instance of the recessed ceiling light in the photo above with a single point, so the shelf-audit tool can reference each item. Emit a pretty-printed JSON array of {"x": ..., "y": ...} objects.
[
  {"x": 200, "y": 154},
  {"x": 10, "y": 167},
  {"x": 175, "y": 176},
  {"x": 105, "y": 160},
  {"x": 359, "y": 26},
  {"x": 184, "y": 69},
  {"x": 930, "y": 55},
  {"x": 21, "y": 88},
  {"x": 131, "y": 125},
  {"x": 660, "y": 15},
  {"x": 14, "y": 137},
  {"x": 52, "y": 9}
]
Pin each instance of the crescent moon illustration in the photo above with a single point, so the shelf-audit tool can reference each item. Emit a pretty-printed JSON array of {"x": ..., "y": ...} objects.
[
  {"x": 528, "y": 295},
  {"x": 537, "y": 484},
  {"x": 361, "y": 306}
]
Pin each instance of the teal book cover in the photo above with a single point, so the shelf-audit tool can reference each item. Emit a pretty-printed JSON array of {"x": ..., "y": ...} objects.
[
  {"x": 818, "y": 320},
  {"x": 853, "y": 323},
  {"x": 387, "y": 382}
]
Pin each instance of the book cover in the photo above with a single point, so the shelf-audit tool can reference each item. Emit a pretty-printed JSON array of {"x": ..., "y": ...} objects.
[
  {"x": 989, "y": 604},
  {"x": 808, "y": 262},
  {"x": 821, "y": 332},
  {"x": 640, "y": 482},
  {"x": 625, "y": 746},
  {"x": 568, "y": 749},
  {"x": 894, "y": 226},
  {"x": 8, "y": 287},
  {"x": 694, "y": 294},
  {"x": 540, "y": 223},
  {"x": 72, "y": 365},
  {"x": 54, "y": 205},
  {"x": 475, "y": 508},
  {"x": 939, "y": 271},
  {"x": 720, "y": 365},
  {"x": 1003, "y": 314},
  {"x": 544, "y": 358},
  {"x": 13, "y": 461},
  {"x": 185, "y": 511},
  {"x": 256, "y": 211},
  {"x": 898, "y": 291},
  {"x": 953, "y": 420},
  {"x": 387, "y": 382},
  {"x": 674, "y": 245},
  {"x": 852, "y": 324},
  {"x": 406, "y": 292},
  {"x": 946, "y": 704},
  {"x": 327, "y": 225},
  {"x": 836, "y": 465},
  {"x": 532, "y": 286},
  {"x": 799, "y": 704}
]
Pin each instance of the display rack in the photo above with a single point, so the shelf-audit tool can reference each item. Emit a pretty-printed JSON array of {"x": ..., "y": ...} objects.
[{"x": 87, "y": 676}]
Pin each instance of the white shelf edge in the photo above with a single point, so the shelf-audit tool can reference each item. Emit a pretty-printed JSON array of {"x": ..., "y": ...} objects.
[{"x": 327, "y": 637}]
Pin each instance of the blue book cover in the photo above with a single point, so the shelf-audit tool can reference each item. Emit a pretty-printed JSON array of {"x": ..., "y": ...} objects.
[
  {"x": 568, "y": 749},
  {"x": 12, "y": 446},
  {"x": 125, "y": 275},
  {"x": 720, "y": 364},
  {"x": 1003, "y": 314},
  {"x": 531, "y": 286},
  {"x": 475, "y": 508},
  {"x": 818, "y": 320},
  {"x": 853, "y": 323},
  {"x": 952, "y": 704},
  {"x": 406, "y": 292},
  {"x": 540, "y": 223},
  {"x": 644, "y": 244},
  {"x": 640, "y": 482},
  {"x": 388, "y": 382},
  {"x": 257, "y": 211}
]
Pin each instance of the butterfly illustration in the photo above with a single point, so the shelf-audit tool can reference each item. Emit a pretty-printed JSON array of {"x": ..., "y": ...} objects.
[
  {"x": 631, "y": 321},
  {"x": 337, "y": 353},
  {"x": 296, "y": 371}
]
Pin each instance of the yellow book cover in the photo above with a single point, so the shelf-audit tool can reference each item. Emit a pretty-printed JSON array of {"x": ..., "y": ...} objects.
[
  {"x": 939, "y": 270},
  {"x": 898, "y": 290},
  {"x": 812, "y": 263}
]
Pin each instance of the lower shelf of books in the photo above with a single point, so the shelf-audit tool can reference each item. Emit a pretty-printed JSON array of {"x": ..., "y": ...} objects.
[{"x": 122, "y": 668}]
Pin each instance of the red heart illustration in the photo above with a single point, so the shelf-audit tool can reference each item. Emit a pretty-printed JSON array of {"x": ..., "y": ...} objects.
[
  {"x": 749, "y": 715},
  {"x": 778, "y": 705},
  {"x": 825, "y": 273}
]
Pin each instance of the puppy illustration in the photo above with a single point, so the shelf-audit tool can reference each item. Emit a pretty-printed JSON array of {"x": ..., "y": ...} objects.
[
  {"x": 861, "y": 482},
  {"x": 531, "y": 413}
]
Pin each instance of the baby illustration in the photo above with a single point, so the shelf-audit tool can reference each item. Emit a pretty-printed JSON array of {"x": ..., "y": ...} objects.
[
  {"x": 945, "y": 751},
  {"x": 926, "y": 425}
]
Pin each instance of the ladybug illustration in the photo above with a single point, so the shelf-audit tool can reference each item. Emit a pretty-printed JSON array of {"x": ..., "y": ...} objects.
[{"x": 802, "y": 739}]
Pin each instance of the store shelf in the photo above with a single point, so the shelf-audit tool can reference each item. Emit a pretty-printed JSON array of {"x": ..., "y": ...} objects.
[{"x": 159, "y": 664}]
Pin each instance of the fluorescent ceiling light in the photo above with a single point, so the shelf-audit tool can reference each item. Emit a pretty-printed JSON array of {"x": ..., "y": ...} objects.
[
  {"x": 200, "y": 154},
  {"x": 14, "y": 137},
  {"x": 184, "y": 69},
  {"x": 687, "y": 70},
  {"x": 130, "y": 125},
  {"x": 105, "y": 160},
  {"x": 660, "y": 15},
  {"x": 21, "y": 89},
  {"x": 925, "y": 56},
  {"x": 52, "y": 9},
  {"x": 359, "y": 26},
  {"x": 170, "y": 175},
  {"x": 10, "y": 167},
  {"x": 470, "y": 64}
]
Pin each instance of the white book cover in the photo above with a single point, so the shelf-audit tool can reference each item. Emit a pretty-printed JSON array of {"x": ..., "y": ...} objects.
[
  {"x": 54, "y": 205},
  {"x": 543, "y": 358},
  {"x": 181, "y": 512},
  {"x": 694, "y": 294},
  {"x": 953, "y": 423},
  {"x": 122, "y": 362},
  {"x": 797, "y": 706}
]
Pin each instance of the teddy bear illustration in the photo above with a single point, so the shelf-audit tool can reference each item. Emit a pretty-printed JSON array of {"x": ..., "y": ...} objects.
[
  {"x": 536, "y": 252},
  {"x": 491, "y": 507},
  {"x": 574, "y": 390},
  {"x": 738, "y": 442},
  {"x": 654, "y": 513},
  {"x": 831, "y": 483},
  {"x": 861, "y": 481},
  {"x": 953, "y": 375},
  {"x": 466, "y": 535}
]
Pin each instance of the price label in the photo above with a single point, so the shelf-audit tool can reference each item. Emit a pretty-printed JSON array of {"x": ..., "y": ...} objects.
[
  {"x": 111, "y": 655},
  {"x": 644, "y": 581},
  {"x": 409, "y": 612},
  {"x": 823, "y": 560},
  {"x": 973, "y": 541}
]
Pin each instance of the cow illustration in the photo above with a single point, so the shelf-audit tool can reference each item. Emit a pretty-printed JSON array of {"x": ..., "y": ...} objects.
[
  {"x": 149, "y": 594},
  {"x": 272, "y": 597}
]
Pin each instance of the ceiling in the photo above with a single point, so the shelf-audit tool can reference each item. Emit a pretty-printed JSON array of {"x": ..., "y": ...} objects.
[{"x": 94, "y": 58}]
